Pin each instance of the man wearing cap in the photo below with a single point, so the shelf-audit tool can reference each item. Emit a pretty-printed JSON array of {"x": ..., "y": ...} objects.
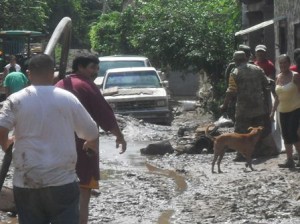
[
  {"x": 230, "y": 67},
  {"x": 248, "y": 83},
  {"x": 263, "y": 62}
]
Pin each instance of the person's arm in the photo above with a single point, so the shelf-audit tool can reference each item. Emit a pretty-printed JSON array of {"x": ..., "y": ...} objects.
[
  {"x": 296, "y": 79},
  {"x": 273, "y": 74},
  {"x": 276, "y": 102},
  {"x": 227, "y": 72},
  {"x": 119, "y": 139},
  {"x": 274, "y": 108},
  {"x": 5, "y": 141},
  {"x": 104, "y": 116},
  {"x": 230, "y": 93}
]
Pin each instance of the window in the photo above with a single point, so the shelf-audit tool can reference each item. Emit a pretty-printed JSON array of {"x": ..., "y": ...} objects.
[
  {"x": 283, "y": 36},
  {"x": 297, "y": 35}
]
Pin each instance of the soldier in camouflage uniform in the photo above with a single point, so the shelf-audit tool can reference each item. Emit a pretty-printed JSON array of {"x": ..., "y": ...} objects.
[
  {"x": 231, "y": 66},
  {"x": 250, "y": 86}
]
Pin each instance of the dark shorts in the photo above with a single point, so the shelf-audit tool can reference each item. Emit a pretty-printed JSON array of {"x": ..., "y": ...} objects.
[
  {"x": 289, "y": 123},
  {"x": 55, "y": 205}
]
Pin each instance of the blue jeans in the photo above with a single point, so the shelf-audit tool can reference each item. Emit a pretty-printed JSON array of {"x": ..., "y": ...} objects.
[{"x": 55, "y": 205}]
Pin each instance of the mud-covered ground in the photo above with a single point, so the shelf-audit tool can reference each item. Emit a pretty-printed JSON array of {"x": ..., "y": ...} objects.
[{"x": 181, "y": 189}]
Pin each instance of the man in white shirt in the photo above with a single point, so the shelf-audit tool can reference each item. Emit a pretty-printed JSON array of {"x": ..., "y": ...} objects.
[
  {"x": 12, "y": 66},
  {"x": 44, "y": 119}
]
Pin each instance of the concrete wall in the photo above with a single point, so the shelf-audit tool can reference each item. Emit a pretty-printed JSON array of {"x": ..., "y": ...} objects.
[
  {"x": 254, "y": 13},
  {"x": 183, "y": 83},
  {"x": 290, "y": 9}
]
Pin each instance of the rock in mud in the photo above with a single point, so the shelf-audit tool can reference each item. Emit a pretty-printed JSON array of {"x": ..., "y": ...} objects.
[{"x": 159, "y": 148}]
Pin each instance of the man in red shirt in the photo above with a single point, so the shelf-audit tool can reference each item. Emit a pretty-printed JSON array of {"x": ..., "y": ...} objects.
[
  {"x": 80, "y": 83},
  {"x": 263, "y": 62}
]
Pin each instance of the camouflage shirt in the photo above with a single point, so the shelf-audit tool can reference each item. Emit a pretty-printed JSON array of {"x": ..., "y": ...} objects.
[{"x": 249, "y": 83}]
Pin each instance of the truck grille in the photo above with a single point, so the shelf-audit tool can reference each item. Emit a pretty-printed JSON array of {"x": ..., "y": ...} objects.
[{"x": 135, "y": 105}]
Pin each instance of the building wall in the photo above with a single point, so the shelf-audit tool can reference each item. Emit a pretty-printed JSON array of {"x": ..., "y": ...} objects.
[
  {"x": 184, "y": 84},
  {"x": 290, "y": 9},
  {"x": 254, "y": 13}
]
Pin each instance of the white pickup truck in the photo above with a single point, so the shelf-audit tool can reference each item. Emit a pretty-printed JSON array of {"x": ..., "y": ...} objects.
[{"x": 138, "y": 92}]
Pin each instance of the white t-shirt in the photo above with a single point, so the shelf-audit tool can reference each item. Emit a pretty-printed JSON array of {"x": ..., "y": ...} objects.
[
  {"x": 18, "y": 67},
  {"x": 44, "y": 119}
]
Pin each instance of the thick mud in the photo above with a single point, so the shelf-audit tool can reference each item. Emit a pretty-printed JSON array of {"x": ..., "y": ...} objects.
[{"x": 181, "y": 189}]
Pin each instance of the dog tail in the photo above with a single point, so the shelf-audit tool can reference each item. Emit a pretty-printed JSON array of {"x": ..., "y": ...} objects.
[
  {"x": 208, "y": 133},
  {"x": 250, "y": 128}
]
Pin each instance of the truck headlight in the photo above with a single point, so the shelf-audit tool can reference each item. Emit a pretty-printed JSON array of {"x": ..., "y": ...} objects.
[
  {"x": 161, "y": 103},
  {"x": 112, "y": 105}
]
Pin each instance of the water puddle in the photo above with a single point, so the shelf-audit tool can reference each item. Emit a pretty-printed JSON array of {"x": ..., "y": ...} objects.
[
  {"x": 165, "y": 217},
  {"x": 179, "y": 180},
  {"x": 181, "y": 186}
]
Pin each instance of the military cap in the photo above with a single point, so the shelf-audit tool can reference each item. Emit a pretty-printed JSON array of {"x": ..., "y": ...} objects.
[{"x": 239, "y": 55}]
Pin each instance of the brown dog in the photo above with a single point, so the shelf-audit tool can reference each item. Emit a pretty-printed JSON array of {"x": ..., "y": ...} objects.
[{"x": 243, "y": 143}]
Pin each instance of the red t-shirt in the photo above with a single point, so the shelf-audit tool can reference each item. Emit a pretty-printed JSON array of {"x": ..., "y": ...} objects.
[
  {"x": 268, "y": 67},
  {"x": 294, "y": 68}
]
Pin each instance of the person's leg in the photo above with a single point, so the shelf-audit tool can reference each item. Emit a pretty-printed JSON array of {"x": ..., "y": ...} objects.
[
  {"x": 289, "y": 151},
  {"x": 289, "y": 154},
  {"x": 241, "y": 126},
  {"x": 289, "y": 134},
  {"x": 297, "y": 147},
  {"x": 62, "y": 203},
  {"x": 262, "y": 148},
  {"x": 29, "y": 206},
  {"x": 85, "y": 195}
]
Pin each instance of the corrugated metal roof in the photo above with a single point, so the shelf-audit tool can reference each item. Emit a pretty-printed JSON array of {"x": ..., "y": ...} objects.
[
  {"x": 259, "y": 26},
  {"x": 20, "y": 33}
]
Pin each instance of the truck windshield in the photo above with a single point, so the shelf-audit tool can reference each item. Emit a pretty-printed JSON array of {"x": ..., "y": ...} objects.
[
  {"x": 105, "y": 65},
  {"x": 137, "y": 79}
]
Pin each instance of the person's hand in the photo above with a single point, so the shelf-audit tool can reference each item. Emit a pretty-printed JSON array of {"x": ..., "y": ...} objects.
[
  {"x": 223, "y": 108},
  {"x": 10, "y": 140},
  {"x": 121, "y": 141},
  {"x": 93, "y": 145}
]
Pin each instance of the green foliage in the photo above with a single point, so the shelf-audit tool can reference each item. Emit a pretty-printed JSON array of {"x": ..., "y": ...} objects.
[
  {"x": 76, "y": 11},
  {"x": 179, "y": 33},
  {"x": 26, "y": 14},
  {"x": 107, "y": 32}
]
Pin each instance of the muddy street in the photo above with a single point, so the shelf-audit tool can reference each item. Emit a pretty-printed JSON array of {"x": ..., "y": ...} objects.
[{"x": 135, "y": 188}]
